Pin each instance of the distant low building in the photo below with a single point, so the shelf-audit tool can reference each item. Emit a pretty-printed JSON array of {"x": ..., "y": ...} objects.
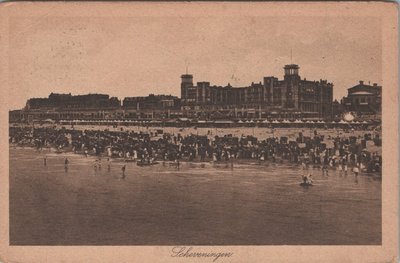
[
  {"x": 151, "y": 107},
  {"x": 68, "y": 101},
  {"x": 16, "y": 115},
  {"x": 152, "y": 102},
  {"x": 364, "y": 99},
  {"x": 67, "y": 106}
]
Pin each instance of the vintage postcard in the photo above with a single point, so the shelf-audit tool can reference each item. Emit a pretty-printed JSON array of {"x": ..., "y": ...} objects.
[{"x": 199, "y": 132}]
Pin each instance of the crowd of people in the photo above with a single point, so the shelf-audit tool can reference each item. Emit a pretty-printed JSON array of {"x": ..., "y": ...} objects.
[{"x": 333, "y": 152}]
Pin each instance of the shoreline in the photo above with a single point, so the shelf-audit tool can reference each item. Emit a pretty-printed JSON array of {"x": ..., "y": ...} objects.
[
  {"x": 228, "y": 164},
  {"x": 326, "y": 149}
]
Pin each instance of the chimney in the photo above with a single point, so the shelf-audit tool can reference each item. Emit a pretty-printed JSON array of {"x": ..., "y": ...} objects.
[
  {"x": 375, "y": 84},
  {"x": 361, "y": 82}
]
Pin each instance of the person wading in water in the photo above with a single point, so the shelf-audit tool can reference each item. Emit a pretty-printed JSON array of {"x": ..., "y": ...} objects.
[
  {"x": 123, "y": 171},
  {"x": 108, "y": 165},
  {"x": 66, "y": 163}
]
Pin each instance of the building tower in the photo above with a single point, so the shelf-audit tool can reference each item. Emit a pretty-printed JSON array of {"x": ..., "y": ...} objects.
[
  {"x": 291, "y": 78},
  {"x": 291, "y": 70},
  {"x": 186, "y": 83}
]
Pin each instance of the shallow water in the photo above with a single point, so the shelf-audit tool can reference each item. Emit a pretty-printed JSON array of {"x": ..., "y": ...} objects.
[{"x": 199, "y": 204}]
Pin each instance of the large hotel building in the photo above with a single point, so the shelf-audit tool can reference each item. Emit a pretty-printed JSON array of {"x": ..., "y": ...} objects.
[
  {"x": 288, "y": 98},
  {"x": 291, "y": 97}
]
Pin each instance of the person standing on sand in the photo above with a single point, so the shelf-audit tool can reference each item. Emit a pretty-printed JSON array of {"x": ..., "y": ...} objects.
[
  {"x": 325, "y": 166},
  {"x": 344, "y": 164},
  {"x": 356, "y": 170},
  {"x": 214, "y": 157},
  {"x": 45, "y": 160},
  {"x": 340, "y": 168},
  {"x": 177, "y": 163}
]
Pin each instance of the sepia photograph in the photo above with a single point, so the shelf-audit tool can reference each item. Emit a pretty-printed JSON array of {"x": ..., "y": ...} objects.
[{"x": 225, "y": 127}]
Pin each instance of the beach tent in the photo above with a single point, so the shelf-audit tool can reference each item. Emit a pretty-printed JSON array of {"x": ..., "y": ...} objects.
[
  {"x": 49, "y": 120},
  {"x": 223, "y": 121}
]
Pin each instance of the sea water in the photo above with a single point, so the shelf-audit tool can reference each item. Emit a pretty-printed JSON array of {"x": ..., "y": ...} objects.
[{"x": 256, "y": 203}]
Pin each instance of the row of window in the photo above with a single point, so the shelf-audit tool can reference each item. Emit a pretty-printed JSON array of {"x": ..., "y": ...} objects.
[{"x": 363, "y": 100}]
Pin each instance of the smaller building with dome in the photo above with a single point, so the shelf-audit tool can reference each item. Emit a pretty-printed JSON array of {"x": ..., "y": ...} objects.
[{"x": 364, "y": 99}]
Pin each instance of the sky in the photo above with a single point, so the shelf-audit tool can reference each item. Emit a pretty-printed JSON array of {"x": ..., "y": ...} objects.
[{"x": 136, "y": 56}]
